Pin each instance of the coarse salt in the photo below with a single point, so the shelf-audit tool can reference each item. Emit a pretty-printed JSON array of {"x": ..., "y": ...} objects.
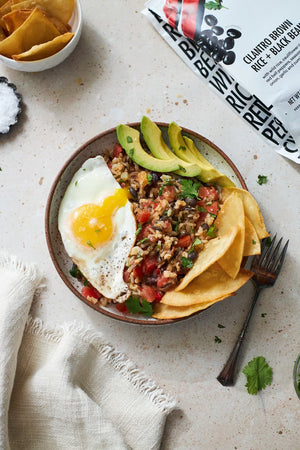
[{"x": 9, "y": 107}]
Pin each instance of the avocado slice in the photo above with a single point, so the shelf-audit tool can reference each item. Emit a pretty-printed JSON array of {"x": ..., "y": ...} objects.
[
  {"x": 153, "y": 138},
  {"x": 129, "y": 139},
  {"x": 179, "y": 146},
  {"x": 209, "y": 174}
]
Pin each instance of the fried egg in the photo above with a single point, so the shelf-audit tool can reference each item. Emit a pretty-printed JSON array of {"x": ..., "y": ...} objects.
[{"x": 98, "y": 227}]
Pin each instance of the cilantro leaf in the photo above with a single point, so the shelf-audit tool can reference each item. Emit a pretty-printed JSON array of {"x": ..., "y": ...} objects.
[
  {"x": 213, "y": 5},
  {"x": 211, "y": 231},
  {"x": 259, "y": 374},
  {"x": 218, "y": 340},
  {"x": 262, "y": 179},
  {"x": 189, "y": 188},
  {"x": 186, "y": 262},
  {"x": 137, "y": 306},
  {"x": 139, "y": 229}
]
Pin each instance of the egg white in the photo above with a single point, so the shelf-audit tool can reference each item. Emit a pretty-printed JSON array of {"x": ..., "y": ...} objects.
[{"x": 102, "y": 266}]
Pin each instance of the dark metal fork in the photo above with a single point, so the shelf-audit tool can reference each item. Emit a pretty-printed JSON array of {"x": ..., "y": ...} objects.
[{"x": 266, "y": 268}]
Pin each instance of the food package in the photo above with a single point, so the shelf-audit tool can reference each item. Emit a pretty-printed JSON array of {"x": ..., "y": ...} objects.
[{"x": 248, "y": 53}]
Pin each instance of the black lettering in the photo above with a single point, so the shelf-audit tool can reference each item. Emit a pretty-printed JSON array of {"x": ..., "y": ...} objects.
[
  {"x": 171, "y": 32},
  {"x": 208, "y": 61},
  {"x": 187, "y": 50},
  {"x": 232, "y": 101},
  {"x": 221, "y": 81},
  {"x": 278, "y": 128},
  {"x": 268, "y": 134},
  {"x": 290, "y": 145},
  {"x": 202, "y": 70}
]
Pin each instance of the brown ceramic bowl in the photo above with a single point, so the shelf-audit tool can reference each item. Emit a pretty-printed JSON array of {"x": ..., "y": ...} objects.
[{"x": 97, "y": 146}]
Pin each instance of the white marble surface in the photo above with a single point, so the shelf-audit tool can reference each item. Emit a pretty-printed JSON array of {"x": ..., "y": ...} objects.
[{"x": 121, "y": 70}]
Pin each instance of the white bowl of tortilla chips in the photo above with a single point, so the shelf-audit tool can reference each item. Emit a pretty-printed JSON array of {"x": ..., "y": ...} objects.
[{"x": 36, "y": 35}]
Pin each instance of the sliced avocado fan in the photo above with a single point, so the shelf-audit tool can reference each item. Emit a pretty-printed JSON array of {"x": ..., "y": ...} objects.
[
  {"x": 153, "y": 137},
  {"x": 185, "y": 148},
  {"x": 129, "y": 139}
]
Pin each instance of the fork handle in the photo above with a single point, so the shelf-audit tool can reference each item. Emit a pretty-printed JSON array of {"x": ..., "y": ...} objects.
[{"x": 227, "y": 375}]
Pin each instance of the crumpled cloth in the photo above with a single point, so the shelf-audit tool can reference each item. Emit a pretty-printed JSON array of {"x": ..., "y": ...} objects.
[{"x": 67, "y": 388}]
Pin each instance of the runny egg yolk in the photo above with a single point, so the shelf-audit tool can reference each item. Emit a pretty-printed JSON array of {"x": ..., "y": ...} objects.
[{"x": 92, "y": 224}]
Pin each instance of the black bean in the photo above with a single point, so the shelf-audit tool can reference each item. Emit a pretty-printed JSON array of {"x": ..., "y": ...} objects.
[
  {"x": 221, "y": 43},
  {"x": 218, "y": 55},
  {"x": 133, "y": 193},
  {"x": 206, "y": 48},
  {"x": 228, "y": 43},
  {"x": 217, "y": 30},
  {"x": 155, "y": 177},
  {"x": 193, "y": 255},
  {"x": 206, "y": 33},
  {"x": 235, "y": 34},
  {"x": 204, "y": 226},
  {"x": 191, "y": 201},
  {"x": 213, "y": 41},
  {"x": 229, "y": 58},
  {"x": 210, "y": 20}
]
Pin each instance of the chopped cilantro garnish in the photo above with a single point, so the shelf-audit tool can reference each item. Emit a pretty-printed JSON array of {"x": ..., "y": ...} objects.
[
  {"x": 186, "y": 262},
  {"x": 201, "y": 208},
  {"x": 129, "y": 139},
  {"x": 90, "y": 244},
  {"x": 197, "y": 241},
  {"x": 259, "y": 375},
  {"x": 139, "y": 229},
  {"x": 98, "y": 231},
  {"x": 218, "y": 340},
  {"x": 176, "y": 225},
  {"x": 182, "y": 168},
  {"x": 143, "y": 240},
  {"x": 211, "y": 231},
  {"x": 189, "y": 188},
  {"x": 137, "y": 306},
  {"x": 253, "y": 242},
  {"x": 76, "y": 182},
  {"x": 181, "y": 147},
  {"x": 262, "y": 179},
  {"x": 268, "y": 241},
  {"x": 131, "y": 152},
  {"x": 74, "y": 272},
  {"x": 220, "y": 325},
  {"x": 149, "y": 177}
]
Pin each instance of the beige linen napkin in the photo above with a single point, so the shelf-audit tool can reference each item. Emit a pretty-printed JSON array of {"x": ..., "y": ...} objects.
[{"x": 66, "y": 388}]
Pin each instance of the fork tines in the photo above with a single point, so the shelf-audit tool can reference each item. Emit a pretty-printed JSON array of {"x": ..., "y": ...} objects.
[{"x": 270, "y": 257}]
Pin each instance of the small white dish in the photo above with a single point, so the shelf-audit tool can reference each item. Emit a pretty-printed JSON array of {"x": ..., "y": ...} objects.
[{"x": 47, "y": 63}]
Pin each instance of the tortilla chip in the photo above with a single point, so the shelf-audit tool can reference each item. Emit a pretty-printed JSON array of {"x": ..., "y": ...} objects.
[
  {"x": 252, "y": 243},
  {"x": 5, "y": 9},
  {"x": 211, "y": 286},
  {"x": 62, "y": 9},
  {"x": 59, "y": 25},
  {"x": 2, "y": 34},
  {"x": 37, "y": 29},
  {"x": 2, "y": 2},
  {"x": 14, "y": 19},
  {"x": 212, "y": 252},
  {"x": 232, "y": 214},
  {"x": 162, "y": 311},
  {"x": 251, "y": 209},
  {"x": 45, "y": 50}
]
